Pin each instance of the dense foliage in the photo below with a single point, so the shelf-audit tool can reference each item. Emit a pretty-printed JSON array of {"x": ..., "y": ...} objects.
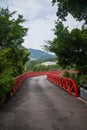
[
  {"x": 79, "y": 79},
  {"x": 38, "y": 66},
  {"x": 6, "y": 78},
  {"x": 13, "y": 55},
  {"x": 77, "y": 8},
  {"x": 70, "y": 47}
]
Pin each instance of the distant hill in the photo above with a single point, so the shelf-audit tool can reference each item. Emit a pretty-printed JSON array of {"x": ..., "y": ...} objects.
[{"x": 39, "y": 55}]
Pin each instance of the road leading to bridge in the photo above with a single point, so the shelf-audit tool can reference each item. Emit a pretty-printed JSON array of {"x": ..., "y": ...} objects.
[{"x": 40, "y": 105}]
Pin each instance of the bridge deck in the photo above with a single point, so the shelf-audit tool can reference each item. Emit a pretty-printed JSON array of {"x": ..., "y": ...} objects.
[{"x": 40, "y": 105}]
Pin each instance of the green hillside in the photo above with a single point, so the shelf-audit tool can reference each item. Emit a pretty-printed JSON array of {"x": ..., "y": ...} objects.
[{"x": 39, "y": 55}]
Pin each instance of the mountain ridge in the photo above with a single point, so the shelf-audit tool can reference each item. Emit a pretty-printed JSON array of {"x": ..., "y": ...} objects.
[{"x": 36, "y": 54}]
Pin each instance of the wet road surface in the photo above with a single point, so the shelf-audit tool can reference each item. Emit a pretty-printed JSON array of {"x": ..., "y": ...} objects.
[{"x": 40, "y": 105}]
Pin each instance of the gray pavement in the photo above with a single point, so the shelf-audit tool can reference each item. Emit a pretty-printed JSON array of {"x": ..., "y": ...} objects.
[{"x": 40, "y": 105}]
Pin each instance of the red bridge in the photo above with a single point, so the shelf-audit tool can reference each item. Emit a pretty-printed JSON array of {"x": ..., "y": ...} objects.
[
  {"x": 54, "y": 76},
  {"x": 41, "y": 105}
]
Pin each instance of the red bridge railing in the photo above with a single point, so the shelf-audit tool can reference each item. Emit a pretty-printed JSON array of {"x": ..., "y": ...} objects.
[
  {"x": 19, "y": 80},
  {"x": 54, "y": 76},
  {"x": 66, "y": 83}
]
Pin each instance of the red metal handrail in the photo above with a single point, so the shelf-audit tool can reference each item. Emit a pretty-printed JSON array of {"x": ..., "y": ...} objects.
[
  {"x": 19, "y": 80},
  {"x": 66, "y": 83},
  {"x": 54, "y": 76}
]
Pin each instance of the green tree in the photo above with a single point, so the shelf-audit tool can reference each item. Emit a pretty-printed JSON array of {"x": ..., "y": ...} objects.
[
  {"x": 11, "y": 30},
  {"x": 6, "y": 78},
  {"x": 77, "y": 8},
  {"x": 70, "y": 47},
  {"x": 78, "y": 46},
  {"x": 13, "y": 55},
  {"x": 18, "y": 57},
  {"x": 12, "y": 36}
]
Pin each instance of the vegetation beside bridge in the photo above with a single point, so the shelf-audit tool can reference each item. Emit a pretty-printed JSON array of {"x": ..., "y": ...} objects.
[{"x": 13, "y": 55}]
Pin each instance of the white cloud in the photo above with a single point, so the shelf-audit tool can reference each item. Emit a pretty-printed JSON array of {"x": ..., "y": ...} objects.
[
  {"x": 39, "y": 31},
  {"x": 29, "y": 8},
  {"x": 72, "y": 23},
  {"x": 40, "y": 15}
]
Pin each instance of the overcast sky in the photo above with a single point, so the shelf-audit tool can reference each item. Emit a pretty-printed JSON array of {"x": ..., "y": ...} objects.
[{"x": 40, "y": 16}]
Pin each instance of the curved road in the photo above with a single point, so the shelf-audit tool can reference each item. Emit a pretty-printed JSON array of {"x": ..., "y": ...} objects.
[{"x": 40, "y": 105}]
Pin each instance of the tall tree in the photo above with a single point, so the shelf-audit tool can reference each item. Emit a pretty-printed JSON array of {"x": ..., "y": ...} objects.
[
  {"x": 77, "y": 8},
  {"x": 13, "y": 55},
  {"x": 70, "y": 47},
  {"x": 12, "y": 36},
  {"x": 11, "y": 30}
]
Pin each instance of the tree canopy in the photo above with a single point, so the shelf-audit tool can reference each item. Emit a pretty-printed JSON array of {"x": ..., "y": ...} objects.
[
  {"x": 11, "y": 30},
  {"x": 77, "y": 8},
  {"x": 12, "y": 36},
  {"x": 70, "y": 47}
]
